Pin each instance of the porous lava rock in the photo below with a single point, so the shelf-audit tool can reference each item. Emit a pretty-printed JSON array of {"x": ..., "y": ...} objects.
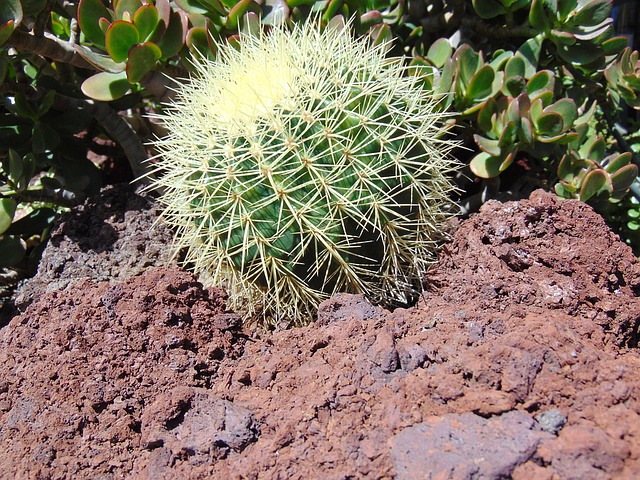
[
  {"x": 112, "y": 236},
  {"x": 519, "y": 361}
]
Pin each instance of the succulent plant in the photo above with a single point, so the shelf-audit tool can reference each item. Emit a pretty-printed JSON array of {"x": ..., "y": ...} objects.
[{"x": 302, "y": 164}]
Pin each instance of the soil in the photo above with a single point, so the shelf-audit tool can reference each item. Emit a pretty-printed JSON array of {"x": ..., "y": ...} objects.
[{"x": 519, "y": 361}]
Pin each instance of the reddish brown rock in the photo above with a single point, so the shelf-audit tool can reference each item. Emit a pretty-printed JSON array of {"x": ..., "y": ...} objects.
[{"x": 529, "y": 325}]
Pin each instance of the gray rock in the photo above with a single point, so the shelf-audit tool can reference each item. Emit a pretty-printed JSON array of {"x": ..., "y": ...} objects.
[{"x": 465, "y": 446}]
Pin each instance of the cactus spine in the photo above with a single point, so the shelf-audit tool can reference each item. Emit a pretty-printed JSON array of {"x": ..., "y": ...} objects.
[{"x": 303, "y": 164}]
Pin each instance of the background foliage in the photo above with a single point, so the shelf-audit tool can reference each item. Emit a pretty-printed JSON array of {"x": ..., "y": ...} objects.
[{"x": 541, "y": 92}]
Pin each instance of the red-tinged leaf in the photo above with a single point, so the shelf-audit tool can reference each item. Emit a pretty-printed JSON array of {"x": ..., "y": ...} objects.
[
  {"x": 274, "y": 12},
  {"x": 566, "y": 108},
  {"x": 594, "y": 182},
  {"x": 549, "y": 124},
  {"x": 173, "y": 40},
  {"x": 238, "y": 11},
  {"x": 146, "y": 21},
  {"x": 142, "y": 59},
  {"x": 6, "y": 30},
  {"x": 617, "y": 162},
  {"x": 542, "y": 81},
  {"x": 597, "y": 150},
  {"x": 121, "y": 36},
  {"x": 480, "y": 86},
  {"x": 624, "y": 178},
  {"x": 487, "y": 114},
  {"x": 164, "y": 11},
  {"x": 487, "y": 145},
  {"x": 526, "y": 131},
  {"x": 615, "y": 45}
]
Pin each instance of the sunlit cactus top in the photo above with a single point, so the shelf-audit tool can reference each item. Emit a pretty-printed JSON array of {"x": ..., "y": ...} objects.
[{"x": 302, "y": 164}]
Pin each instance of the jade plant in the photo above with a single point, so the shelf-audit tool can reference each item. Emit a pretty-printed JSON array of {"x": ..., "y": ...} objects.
[
  {"x": 302, "y": 163},
  {"x": 539, "y": 83}
]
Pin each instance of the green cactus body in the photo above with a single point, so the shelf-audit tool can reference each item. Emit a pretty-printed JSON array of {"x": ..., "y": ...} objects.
[{"x": 305, "y": 164}]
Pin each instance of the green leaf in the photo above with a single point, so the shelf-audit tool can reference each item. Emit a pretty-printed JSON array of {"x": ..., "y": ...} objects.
[
  {"x": 33, "y": 7},
  {"x": 191, "y": 7},
  {"x": 537, "y": 16},
  {"x": 121, "y": 36},
  {"x": 514, "y": 67},
  {"x": 593, "y": 183},
  {"x": 7, "y": 211},
  {"x": 581, "y": 53},
  {"x": 238, "y": 11},
  {"x": 487, "y": 9},
  {"x": 199, "y": 42},
  {"x": 44, "y": 138},
  {"x": 34, "y": 223},
  {"x": 593, "y": 13},
  {"x": 467, "y": 60},
  {"x": 593, "y": 149},
  {"x": 46, "y": 103},
  {"x": 560, "y": 37},
  {"x": 126, "y": 6},
  {"x": 6, "y": 29},
  {"x": 615, "y": 45},
  {"x": 514, "y": 76},
  {"x": 487, "y": 145},
  {"x": 565, "y": 170},
  {"x": 173, "y": 40},
  {"x": 624, "y": 178},
  {"x": 89, "y": 13},
  {"x": 541, "y": 82},
  {"x": 13, "y": 250},
  {"x": 530, "y": 53},
  {"x": 23, "y": 107},
  {"x": 567, "y": 109},
  {"x": 526, "y": 131},
  {"x": 549, "y": 123},
  {"x": 484, "y": 165},
  {"x": 439, "y": 52},
  {"x": 146, "y": 21},
  {"x": 614, "y": 162},
  {"x": 11, "y": 10},
  {"x": 486, "y": 115},
  {"x": 142, "y": 59},
  {"x": 106, "y": 86},
  {"x": 481, "y": 84}
]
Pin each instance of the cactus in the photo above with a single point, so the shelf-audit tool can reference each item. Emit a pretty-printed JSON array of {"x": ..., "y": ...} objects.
[{"x": 302, "y": 164}]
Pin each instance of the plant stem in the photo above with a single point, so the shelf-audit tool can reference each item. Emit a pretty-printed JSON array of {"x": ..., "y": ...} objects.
[{"x": 48, "y": 46}]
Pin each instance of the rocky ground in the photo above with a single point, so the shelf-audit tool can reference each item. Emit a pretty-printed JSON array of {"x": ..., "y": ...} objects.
[{"x": 519, "y": 361}]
